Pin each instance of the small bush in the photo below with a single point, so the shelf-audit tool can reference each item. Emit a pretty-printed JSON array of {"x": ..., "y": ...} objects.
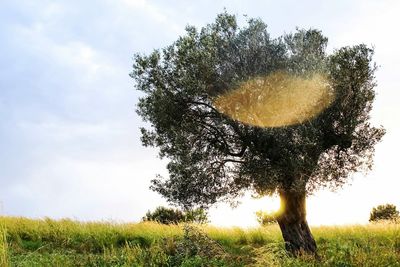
[
  {"x": 196, "y": 216},
  {"x": 386, "y": 212},
  {"x": 197, "y": 249},
  {"x": 174, "y": 216}
]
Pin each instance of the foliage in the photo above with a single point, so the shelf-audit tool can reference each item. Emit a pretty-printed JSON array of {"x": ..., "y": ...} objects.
[
  {"x": 384, "y": 212},
  {"x": 65, "y": 243},
  {"x": 265, "y": 218},
  {"x": 196, "y": 216},
  {"x": 174, "y": 216},
  {"x": 214, "y": 157}
]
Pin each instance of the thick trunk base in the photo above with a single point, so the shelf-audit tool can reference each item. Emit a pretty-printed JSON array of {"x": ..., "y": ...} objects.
[{"x": 293, "y": 224}]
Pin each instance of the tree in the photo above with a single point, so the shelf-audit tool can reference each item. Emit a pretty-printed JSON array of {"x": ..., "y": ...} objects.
[
  {"x": 214, "y": 156},
  {"x": 174, "y": 216},
  {"x": 384, "y": 212}
]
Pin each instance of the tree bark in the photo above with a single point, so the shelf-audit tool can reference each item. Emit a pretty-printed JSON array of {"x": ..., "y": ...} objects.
[{"x": 293, "y": 224}]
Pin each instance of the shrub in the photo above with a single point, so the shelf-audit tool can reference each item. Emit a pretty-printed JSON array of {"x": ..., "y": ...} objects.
[
  {"x": 197, "y": 249},
  {"x": 384, "y": 212},
  {"x": 174, "y": 216},
  {"x": 265, "y": 218},
  {"x": 196, "y": 216}
]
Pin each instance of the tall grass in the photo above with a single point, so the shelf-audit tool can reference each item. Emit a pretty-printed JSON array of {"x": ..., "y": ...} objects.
[
  {"x": 66, "y": 242},
  {"x": 93, "y": 236},
  {"x": 3, "y": 247}
]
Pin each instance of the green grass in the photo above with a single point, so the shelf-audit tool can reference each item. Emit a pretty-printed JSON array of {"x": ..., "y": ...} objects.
[{"x": 27, "y": 242}]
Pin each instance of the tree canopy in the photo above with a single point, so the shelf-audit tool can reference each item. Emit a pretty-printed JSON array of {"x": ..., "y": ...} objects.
[{"x": 212, "y": 155}]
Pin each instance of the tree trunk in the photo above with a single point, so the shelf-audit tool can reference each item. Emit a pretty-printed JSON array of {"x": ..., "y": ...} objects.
[{"x": 292, "y": 221}]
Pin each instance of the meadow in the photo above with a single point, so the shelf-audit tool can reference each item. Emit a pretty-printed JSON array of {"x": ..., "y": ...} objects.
[{"x": 47, "y": 242}]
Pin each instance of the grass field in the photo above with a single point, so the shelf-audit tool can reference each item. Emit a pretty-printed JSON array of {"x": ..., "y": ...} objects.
[{"x": 27, "y": 242}]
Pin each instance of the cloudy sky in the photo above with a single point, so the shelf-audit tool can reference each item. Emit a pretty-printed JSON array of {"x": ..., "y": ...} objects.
[{"x": 69, "y": 133}]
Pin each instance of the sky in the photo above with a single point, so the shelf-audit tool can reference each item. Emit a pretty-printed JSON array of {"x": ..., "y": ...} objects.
[{"x": 69, "y": 134}]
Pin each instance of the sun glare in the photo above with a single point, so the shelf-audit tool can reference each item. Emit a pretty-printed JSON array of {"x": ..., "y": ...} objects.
[
  {"x": 244, "y": 215},
  {"x": 322, "y": 209},
  {"x": 276, "y": 100}
]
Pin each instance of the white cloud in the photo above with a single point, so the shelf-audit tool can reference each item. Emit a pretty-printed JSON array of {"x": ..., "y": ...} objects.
[
  {"x": 155, "y": 14},
  {"x": 87, "y": 190},
  {"x": 78, "y": 57}
]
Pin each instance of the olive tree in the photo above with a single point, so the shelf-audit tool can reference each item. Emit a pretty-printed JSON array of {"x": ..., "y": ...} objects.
[{"x": 214, "y": 155}]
